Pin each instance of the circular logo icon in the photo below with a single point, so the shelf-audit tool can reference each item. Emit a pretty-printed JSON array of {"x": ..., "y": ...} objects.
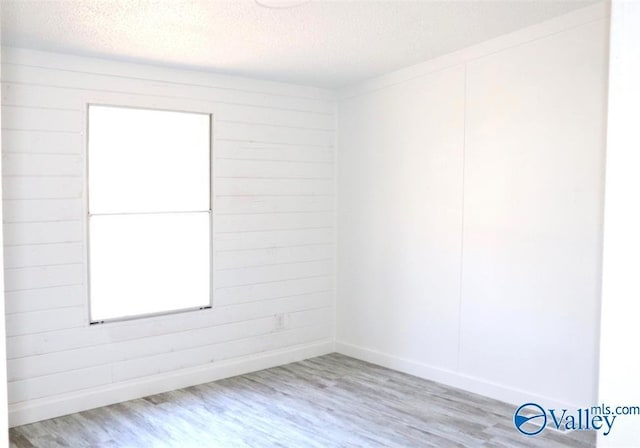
[{"x": 530, "y": 419}]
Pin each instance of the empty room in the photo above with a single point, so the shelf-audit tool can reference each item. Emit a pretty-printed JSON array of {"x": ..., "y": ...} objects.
[{"x": 317, "y": 223}]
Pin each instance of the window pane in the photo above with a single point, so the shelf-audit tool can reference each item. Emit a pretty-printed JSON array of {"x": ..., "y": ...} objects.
[
  {"x": 148, "y": 263},
  {"x": 147, "y": 160}
]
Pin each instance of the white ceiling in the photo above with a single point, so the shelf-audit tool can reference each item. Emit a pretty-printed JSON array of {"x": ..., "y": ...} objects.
[{"x": 321, "y": 43}]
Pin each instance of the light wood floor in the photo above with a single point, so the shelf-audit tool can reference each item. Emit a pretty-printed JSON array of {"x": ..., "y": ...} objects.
[{"x": 330, "y": 401}]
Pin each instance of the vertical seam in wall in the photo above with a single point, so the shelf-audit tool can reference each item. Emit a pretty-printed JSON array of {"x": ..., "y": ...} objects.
[
  {"x": 336, "y": 144},
  {"x": 603, "y": 184},
  {"x": 464, "y": 149}
]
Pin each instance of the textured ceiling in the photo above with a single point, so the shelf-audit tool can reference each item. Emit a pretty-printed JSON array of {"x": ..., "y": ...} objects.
[{"x": 320, "y": 43}]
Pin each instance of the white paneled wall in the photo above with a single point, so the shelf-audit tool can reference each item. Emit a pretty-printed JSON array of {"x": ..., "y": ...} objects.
[
  {"x": 274, "y": 234},
  {"x": 533, "y": 204},
  {"x": 469, "y": 231},
  {"x": 400, "y": 218},
  {"x": 619, "y": 356}
]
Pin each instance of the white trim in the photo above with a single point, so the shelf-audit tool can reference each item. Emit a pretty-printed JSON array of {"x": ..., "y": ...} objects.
[
  {"x": 450, "y": 378},
  {"x": 119, "y": 100},
  {"x": 556, "y": 25},
  {"x": 4, "y": 437},
  {"x": 336, "y": 219},
  {"x": 56, "y": 406}
]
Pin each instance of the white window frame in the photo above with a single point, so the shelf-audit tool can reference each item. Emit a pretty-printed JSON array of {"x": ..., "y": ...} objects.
[{"x": 168, "y": 105}]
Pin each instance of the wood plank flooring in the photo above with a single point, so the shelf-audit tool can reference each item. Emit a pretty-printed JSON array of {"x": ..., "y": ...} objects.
[{"x": 329, "y": 401}]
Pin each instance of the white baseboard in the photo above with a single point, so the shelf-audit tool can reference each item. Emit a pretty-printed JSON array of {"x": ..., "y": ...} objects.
[
  {"x": 50, "y": 407},
  {"x": 451, "y": 378}
]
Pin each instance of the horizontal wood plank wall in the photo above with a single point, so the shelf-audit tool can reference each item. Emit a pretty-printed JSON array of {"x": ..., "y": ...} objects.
[{"x": 274, "y": 229}]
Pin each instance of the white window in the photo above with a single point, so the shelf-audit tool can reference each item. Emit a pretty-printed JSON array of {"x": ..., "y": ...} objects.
[{"x": 149, "y": 211}]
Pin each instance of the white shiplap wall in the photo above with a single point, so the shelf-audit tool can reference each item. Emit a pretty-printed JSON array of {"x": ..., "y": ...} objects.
[{"x": 274, "y": 234}]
